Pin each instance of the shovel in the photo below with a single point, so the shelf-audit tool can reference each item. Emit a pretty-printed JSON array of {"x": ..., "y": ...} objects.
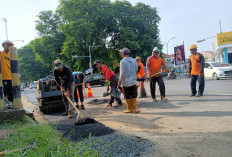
[{"x": 80, "y": 121}]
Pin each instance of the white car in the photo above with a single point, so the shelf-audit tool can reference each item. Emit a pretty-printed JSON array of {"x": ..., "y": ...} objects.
[
  {"x": 33, "y": 85},
  {"x": 217, "y": 70}
]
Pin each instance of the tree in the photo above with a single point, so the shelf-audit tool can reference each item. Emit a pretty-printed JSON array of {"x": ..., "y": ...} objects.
[
  {"x": 107, "y": 27},
  {"x": 137, "y": 28},
  {"x": 86, "y": 24},
  {"x": 48, "y": 47},
  {"x": 101, "y": 26},
  {"x": 29, "y": 69}
]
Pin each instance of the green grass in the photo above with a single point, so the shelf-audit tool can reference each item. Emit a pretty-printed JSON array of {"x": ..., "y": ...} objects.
[{"x": 49, "y": 141}]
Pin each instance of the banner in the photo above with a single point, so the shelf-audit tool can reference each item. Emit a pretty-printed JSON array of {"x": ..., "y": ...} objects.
[
  {"x": 179, "y": 55},
  {"x": 224, "y": 38}
]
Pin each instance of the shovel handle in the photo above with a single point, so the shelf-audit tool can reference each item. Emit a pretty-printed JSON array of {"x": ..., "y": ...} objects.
[{"x": 78, "y": 112}]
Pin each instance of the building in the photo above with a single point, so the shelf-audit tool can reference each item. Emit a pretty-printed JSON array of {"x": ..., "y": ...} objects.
[
  {"x": 208, "y": 55},
  {"x": 224, "y": 47}
]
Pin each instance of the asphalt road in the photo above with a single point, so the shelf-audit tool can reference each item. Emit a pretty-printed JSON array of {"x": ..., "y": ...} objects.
[{"x": 182, "y": 126}]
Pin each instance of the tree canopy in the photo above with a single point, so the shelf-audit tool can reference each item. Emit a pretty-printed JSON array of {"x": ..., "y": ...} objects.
[
  {"x": 29, "y": 69},
  {"x": 101, "y": 27}
]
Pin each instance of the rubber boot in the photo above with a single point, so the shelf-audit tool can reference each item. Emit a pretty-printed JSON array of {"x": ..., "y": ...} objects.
[
  {"x": 128, "y": 106},
  {"x": 134, "y": 105}
]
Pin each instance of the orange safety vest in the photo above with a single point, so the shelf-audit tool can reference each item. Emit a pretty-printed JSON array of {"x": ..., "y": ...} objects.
[{"x": 196, "y": 66}]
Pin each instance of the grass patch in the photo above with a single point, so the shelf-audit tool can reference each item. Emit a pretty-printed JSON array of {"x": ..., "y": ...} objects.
[{"x": 47, "y": 141}]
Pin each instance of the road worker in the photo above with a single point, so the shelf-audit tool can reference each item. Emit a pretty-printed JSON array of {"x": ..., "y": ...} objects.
[
  {"x": 196, "y": 71},
  {"x": 154, "y": 64}
]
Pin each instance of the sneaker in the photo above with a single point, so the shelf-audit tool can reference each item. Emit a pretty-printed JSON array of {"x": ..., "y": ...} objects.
[
  {"x": 77, "y": 106},
  {"x": 82, "y": 107},
  {"x": 70, "y": 114},
  {"x": 199, "y": 95},
  {"x": 192, "y": 95},
  {"x": 164, "y": 99}
]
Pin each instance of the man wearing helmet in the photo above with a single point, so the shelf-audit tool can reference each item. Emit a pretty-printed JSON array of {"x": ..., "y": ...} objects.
[
  {"x": 154, "y": 64},
  {"x": 196, "y": 71},
  {"x": 6, "y": 70}
]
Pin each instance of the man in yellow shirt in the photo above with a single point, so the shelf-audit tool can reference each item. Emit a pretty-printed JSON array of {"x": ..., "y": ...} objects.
[{"x": 6, "y": 70}]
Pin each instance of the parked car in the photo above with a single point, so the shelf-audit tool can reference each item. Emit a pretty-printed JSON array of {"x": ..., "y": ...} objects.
[
  {"x": 94, "y": 79},
  {"x": 33, "y": 85},
  {"x": 217, "y": 70}
]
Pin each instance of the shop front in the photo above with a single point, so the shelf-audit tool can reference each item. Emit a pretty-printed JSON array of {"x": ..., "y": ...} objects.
[{"x": 224, "y": 48}]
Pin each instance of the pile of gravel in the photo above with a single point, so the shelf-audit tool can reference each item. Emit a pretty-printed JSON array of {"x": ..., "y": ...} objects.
[
  {"x": 109, "y": 142},
  {"x": 122, "y": 145}
]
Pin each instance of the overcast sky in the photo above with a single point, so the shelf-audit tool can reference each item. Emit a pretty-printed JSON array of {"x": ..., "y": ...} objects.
[{"x": 186, "y": 20}]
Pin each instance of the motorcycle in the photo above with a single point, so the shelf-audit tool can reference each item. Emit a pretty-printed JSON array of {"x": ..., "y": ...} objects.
[{"x": 171, "y": 75}]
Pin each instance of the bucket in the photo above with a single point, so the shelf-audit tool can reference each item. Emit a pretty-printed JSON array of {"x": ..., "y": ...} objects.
[{"x": 116, "y": 93}]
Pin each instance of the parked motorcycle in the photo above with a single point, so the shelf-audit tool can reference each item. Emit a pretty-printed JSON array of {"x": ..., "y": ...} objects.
[{"x": 171, "y": 75}]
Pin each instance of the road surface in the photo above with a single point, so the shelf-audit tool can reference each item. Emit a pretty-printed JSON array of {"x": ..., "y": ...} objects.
[{"x": 181, "y": 127}]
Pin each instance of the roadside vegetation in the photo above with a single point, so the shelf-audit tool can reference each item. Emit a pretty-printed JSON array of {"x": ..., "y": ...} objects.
[
  {"x": 80, "y": 27},
  {"x": 27, "y": 138}
]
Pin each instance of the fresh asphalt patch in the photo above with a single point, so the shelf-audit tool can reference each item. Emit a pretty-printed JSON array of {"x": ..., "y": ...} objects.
[{"x": 109, "y": 142}]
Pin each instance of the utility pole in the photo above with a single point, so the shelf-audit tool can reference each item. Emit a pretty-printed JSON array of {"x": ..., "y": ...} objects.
[
  {"x": 90, "y": 59},
  {"x": 220, "y": 26},
  {"x": 168, "y": 42},
  {"x": 4, "y": 20}
]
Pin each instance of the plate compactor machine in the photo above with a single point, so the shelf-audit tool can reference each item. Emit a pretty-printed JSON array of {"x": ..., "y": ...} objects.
[{"x": 49, "y": 96}]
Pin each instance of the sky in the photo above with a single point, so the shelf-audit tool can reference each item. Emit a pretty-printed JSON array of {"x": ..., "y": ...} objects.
[{"x": 186, "y": 20}]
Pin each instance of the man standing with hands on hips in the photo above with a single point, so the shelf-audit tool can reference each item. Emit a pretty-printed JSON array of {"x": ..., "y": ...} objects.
[
  {"x": 196, "y": 71},
  {"x": 128, "y": 70}
]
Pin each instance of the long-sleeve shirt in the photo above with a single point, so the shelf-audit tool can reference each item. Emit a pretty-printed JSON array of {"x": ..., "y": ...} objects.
[
  {"x": 141, "y": 71},
  {"x": 154, "y": 65},
  {"x": 106, "y": 72},
  {"x": 64, "y": 77},
  {"x": 197, "y": 64},
  {"x": 128, "y": 69}
]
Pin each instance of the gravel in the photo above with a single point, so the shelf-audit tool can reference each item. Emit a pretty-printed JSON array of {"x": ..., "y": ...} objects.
[{"x": 110, "y": 142}]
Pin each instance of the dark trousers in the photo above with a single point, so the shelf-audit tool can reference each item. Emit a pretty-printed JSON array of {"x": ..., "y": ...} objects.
[
  {"x": 130, "y": 92},
  {"x": 160, "y": 82},
  {"x": 80, "y": 90},
  {"x": 68, "y": 106},
  {"x": 201, "y": 81},
  {"x": 7, "y": 86},
  {"x": 114, "y": 85}
]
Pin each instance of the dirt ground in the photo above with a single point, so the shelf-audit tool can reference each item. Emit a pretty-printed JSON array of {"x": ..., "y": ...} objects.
[{"x": 181, "y": 127}]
